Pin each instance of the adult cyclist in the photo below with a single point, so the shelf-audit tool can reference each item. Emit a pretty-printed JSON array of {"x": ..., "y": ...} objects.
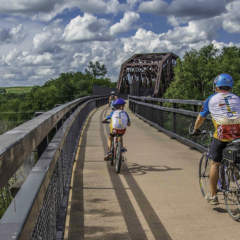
[
  {"x": 112, "y": 98},
  {"x": 224, "y": 107},
  {"x": 119, "y": 120}
]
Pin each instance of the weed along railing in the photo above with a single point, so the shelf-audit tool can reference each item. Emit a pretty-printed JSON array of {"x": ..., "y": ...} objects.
[
  {"x": 173, "y": 117},
  {"x": 49, "y": 141}
]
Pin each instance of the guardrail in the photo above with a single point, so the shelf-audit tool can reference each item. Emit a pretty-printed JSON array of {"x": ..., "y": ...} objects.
[
  {"x": 53, "y": 135},
  {"x": 173, "y": 120}
]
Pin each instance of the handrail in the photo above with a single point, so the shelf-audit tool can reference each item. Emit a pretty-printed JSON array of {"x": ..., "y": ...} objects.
[
  {"x": 173, "y": 110},
  {"x": 165, "y": 100}
]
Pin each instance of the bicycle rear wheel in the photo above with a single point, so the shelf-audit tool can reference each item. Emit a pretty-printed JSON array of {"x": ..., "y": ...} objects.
[
  {"x": 232, "y": 193},
  {"x": 112, "y": 153},
  {"x": 118, "y": 160},
  {"x": 204, "y": 168}
]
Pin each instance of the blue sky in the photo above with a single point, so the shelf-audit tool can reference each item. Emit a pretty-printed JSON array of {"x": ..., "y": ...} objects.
[{"x": 39, "y": 39}]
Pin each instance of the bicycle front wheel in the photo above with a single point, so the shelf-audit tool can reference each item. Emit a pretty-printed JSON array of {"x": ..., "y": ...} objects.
[
  {"x": 118, "y": 160},
  {"x": 232, "y": 193},
  {"x": 204, "y": 169}
]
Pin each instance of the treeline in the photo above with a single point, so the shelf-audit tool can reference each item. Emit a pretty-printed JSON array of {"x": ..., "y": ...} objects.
[
  {"x": 68, "y": 86},
  {"x": 194, "y": 74}
]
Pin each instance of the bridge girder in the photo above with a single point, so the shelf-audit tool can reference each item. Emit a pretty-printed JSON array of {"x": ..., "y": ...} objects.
[{"x": 147, "y": 74}]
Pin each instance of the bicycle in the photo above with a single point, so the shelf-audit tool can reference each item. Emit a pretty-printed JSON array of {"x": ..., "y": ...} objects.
[
  {"x": 116, "y": 158},
  {"x": 229, "y": 176}
]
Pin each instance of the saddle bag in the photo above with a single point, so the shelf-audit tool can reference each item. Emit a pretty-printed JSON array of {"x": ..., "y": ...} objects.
[{"x": 232, "y": 153}]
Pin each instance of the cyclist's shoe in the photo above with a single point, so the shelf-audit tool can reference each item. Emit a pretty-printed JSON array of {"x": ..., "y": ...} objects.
[
  {"x": 123, "y": 149},
  {"x": 107, "y": 157},
  {"x": 212, "y": 200}
]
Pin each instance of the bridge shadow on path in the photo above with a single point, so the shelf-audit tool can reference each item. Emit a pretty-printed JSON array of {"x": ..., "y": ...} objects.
[
  {"x": 103, "y": 213},
  {"x": 138, "y": 169},
  {"x": 106, "y": 233}
]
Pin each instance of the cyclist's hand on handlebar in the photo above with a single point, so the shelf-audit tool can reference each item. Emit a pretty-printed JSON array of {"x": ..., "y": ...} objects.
[
  {"x": 195, "y": 132},
  {"x": 105, "y": 121}
]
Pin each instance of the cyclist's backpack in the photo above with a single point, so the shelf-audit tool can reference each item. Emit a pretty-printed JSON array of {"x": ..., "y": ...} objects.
[
  {"x": 232, "y": 153},
  {"x": 119, "y": 119}
]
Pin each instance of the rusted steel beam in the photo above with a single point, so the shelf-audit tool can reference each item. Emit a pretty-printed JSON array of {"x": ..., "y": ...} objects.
[{"x": 157, "y": 69}]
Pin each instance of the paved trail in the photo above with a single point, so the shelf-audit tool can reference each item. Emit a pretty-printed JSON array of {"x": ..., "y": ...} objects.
[{"x": 155, "y": 197}]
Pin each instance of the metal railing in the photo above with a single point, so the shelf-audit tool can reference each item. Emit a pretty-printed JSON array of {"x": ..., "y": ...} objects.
[
  {"x": 174, "y": 118},
  {"x": 36, "y": 210}
]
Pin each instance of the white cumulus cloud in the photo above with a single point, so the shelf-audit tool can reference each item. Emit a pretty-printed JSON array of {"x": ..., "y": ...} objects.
[
  {"x": 25, "y": 6},
  {"x": 86, "y": 28},
  {"x": 48, "y": 40},
  {"x": 154, "y": 6},
  {"x": 43, "y": 59},
  {"x": 12, "y": 35},
  {"x": 196, "y": 9},
  {"x": 231, "y": 20},
  {"x": 125, "y": 24}
]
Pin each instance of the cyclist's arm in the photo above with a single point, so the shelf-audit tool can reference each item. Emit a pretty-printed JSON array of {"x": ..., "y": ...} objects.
[
  {"x": 202, "y": 115},
  {"x": 109, "y": 116},
  {"x": 199, "y": 122},
  {"x": 129, "y": 122}
]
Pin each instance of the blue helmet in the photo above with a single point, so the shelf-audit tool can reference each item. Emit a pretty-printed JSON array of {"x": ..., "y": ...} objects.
[
  {"x": 118, "y": 102},
  {"x": 223, "y": 79}
]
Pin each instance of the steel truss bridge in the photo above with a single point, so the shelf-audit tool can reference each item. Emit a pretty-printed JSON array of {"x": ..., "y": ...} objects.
[{"x": 147, "y": 74}]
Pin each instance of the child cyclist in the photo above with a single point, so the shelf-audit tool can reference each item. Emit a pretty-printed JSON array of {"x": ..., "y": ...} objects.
[{"x": 119, "y": 120}]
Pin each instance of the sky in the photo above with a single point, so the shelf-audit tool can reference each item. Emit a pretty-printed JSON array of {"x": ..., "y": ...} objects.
[{"x": 40, "y": 39}]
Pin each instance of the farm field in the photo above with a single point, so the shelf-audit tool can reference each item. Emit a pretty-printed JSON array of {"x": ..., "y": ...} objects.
[{"x": 17, "y": 90}]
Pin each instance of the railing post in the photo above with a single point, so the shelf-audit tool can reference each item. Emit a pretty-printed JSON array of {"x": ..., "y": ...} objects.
[
  {"x": 195, "y": 108},
  {"x": 174, "y": 119}
]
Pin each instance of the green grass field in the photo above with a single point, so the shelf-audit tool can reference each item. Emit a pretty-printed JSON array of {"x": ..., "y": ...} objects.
[{"x": 17, "y": 90}]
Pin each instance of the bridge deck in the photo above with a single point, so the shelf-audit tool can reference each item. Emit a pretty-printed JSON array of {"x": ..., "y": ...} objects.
[{"x": 156, "y": 196}]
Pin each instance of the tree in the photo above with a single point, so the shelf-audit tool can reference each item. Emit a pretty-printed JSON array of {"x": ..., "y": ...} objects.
[
  {"x": 194, "y": 74},
  {"x": 3, "y": 91},
  {"x": 96, "y": 69}
]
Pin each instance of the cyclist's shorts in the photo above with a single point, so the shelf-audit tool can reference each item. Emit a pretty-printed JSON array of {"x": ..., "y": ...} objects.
[
  {"x": 119, "y": 132},
  {"x": 216, "y": 149}
]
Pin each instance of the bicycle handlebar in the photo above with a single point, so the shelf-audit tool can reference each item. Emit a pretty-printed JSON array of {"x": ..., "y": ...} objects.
[
  {"x": 198, "y": 131},
  {"x": 105, "y": 121}
]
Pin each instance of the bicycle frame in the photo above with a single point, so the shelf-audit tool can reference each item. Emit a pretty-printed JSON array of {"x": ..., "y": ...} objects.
[
  {"x": 116, "y": 149},
  {"x": 222, "y": 179}
]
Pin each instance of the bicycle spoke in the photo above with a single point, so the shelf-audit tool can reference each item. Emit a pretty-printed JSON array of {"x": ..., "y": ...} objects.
[
  {"x": 118, "y": 161},
  {"x": 204, "y": 167}
]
